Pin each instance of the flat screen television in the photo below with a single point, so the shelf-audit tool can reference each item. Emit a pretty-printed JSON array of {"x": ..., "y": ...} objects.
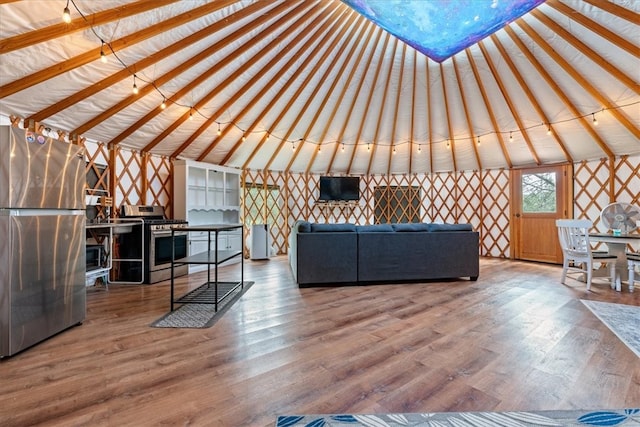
[{"x": 339, "y": 188}]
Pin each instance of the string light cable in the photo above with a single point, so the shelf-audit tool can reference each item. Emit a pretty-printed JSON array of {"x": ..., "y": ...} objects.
[{"x": 193, "y": 110}]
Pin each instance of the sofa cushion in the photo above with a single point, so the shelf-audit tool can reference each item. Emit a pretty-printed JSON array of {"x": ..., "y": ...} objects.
[
  {"x": 450, "y": 227},
  {"x": 416, "y": 226},
  {"x": 375, "y": 228},
  {"x": 332, "y": 228}
]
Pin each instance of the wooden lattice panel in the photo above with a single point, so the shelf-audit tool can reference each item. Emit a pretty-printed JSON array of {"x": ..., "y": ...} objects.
[
  {"x": 627, "y": 180},
  {"x": 265, "y": 202},
  {"x": 469, "y": 198},
  {"x": 98, "y": 154},
  {"x": 443, "y": 197},
  {"x": 159, "y": 182},
  {"x": 494, "y": 231},
  {"x": 128, "y": 167},
  {"x": 424, "y": 183},
  {"x": 591, "y": 190}
]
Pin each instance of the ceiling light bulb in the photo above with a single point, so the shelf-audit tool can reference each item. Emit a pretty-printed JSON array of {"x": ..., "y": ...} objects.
[
  {"x": 394, "y": 150},
  {"x": 419, "y": 148},
  {"x": 511, "y": 136},
  {"x": 244, "y": 138},
  {"x": 478, "y": 140},
  {"x": 135, "y": 86},
  {"x": 595, "y": 121},
  {"x": 343, "y": 148},
  {"x": 368, "y": 148},
  {"x": 190, "y": 114},
  {"x": 164, "y": 103},
  {"x": 268, "y": 136},
  {"x": 103, "y": 56},
  {"x": 448, "y": 144},
  {"x": 66, "y": 14},
  {"x": 549, "y": 130},
  {"x": 319, "y": 150},
  {"x": 219, "y": 132}
]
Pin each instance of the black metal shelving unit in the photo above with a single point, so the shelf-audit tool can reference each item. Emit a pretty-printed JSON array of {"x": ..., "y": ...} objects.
[{"x": 212, "y": 291}]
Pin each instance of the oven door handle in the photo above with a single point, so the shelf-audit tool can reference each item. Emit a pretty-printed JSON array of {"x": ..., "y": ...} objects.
[{"x": 168, "y": 233}]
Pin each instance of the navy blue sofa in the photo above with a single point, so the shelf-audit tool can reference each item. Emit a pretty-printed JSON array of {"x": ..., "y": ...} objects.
[{"x": 324, "y": 254}]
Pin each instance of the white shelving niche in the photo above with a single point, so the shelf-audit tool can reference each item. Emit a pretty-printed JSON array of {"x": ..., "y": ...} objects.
[{"x": 207, "y": 194}]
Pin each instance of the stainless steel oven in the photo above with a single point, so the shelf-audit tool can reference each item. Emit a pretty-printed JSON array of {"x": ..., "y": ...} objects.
[
  {"x": 157, "y": 248},
  {"x": 161, "y": 245}
]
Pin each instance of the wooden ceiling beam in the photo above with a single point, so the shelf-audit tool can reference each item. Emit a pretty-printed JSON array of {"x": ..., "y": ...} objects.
[
  {"x": 466, "y": 112},
  {"x": 339, "y": 78},
  {"x": 446, "y": 111},
  {"x": 267, "y": 87},
  {"x": 370, "y": 96},
  {"x": 382, "y": 104},
  {"x": 200, "y": 79},
  {"x": 551, "y": 81},
  {"x": 487, "y": 103},
  {"x": 370, "y": 49},
  {"x": 510, "y": 103},
  {"x": 274, "y": 44},
  {"x": 588, "y": 87},
  {"x": 325, "y": 56},
  {"x": 429, "y": 120},
  {"x": 117, "y": 45},
  {"x": 325, "y": 15},
  {"x": 230, "y": 102},
  {"x": 144, "y": 63},
  {"x": 343, "y": 93},
  {"x": 255, "y": 24},
  {"x": 392, "y": 146},
  {"x": 413, "y": 108},
  {"x": 587, "y": 51},
  {"x": 530, "y": 95},
  {"x": 593, "y": 26},
  {"x": 616, "y": 10},
  {"x": 40, "y": 35}
]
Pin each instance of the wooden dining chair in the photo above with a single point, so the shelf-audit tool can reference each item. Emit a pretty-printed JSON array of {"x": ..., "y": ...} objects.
[
  {"x": 633, "y": 261},
  {"x": 578, "y": 257}
]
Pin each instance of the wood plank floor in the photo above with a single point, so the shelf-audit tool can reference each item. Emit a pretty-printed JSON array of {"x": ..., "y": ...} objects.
[{"x": 514, "y": 340}]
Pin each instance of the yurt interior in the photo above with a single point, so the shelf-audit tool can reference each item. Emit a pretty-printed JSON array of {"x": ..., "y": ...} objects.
[{"x": 319, "y": 212}]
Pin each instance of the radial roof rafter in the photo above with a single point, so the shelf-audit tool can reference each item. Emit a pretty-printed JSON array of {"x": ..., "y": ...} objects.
[
  {"x": 379, "y": 121},
  {"x": 313, "y": 38},
  {"x": 512, "y": 107},
  {"x": 274, "y": 79},
  {"x": 465, "y": 108}
]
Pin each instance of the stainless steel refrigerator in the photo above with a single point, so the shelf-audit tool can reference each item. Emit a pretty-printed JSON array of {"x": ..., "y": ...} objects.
[{"x": 42, "y": 238}]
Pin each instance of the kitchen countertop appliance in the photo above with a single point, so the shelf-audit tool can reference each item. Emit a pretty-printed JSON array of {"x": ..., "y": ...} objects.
[
  {"x": 157, "y": 245},
  {"x": 42, "y": 238}
]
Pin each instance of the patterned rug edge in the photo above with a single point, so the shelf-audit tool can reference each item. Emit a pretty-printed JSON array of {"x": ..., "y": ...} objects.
[
  {"x": 620, "y": 322},
  {"x": 605, "y": 417},
  {"x": 204, "y": 312}
]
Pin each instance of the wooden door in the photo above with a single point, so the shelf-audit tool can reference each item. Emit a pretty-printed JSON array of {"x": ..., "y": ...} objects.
[{"x": 539, "y": 196}]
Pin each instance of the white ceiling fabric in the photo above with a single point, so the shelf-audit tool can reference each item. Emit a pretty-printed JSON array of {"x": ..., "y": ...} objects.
[{"x": 334, "y": 92}]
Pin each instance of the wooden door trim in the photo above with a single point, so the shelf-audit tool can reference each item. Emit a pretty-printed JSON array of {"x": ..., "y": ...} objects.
[{"x": 565, "y": 207}]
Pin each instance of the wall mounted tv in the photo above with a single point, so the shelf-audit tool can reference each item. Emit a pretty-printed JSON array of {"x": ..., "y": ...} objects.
[{"x": 339, "y": 188}]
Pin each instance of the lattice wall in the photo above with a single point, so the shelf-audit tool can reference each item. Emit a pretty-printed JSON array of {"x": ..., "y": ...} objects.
[
  {"x": 591, "y": 186},
  {"x": 127, "y": 167},
  {"x": 480, "y": 198}
]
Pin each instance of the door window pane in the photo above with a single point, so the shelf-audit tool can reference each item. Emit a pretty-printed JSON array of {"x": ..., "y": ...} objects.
[{"x": 539, "y": 192}]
